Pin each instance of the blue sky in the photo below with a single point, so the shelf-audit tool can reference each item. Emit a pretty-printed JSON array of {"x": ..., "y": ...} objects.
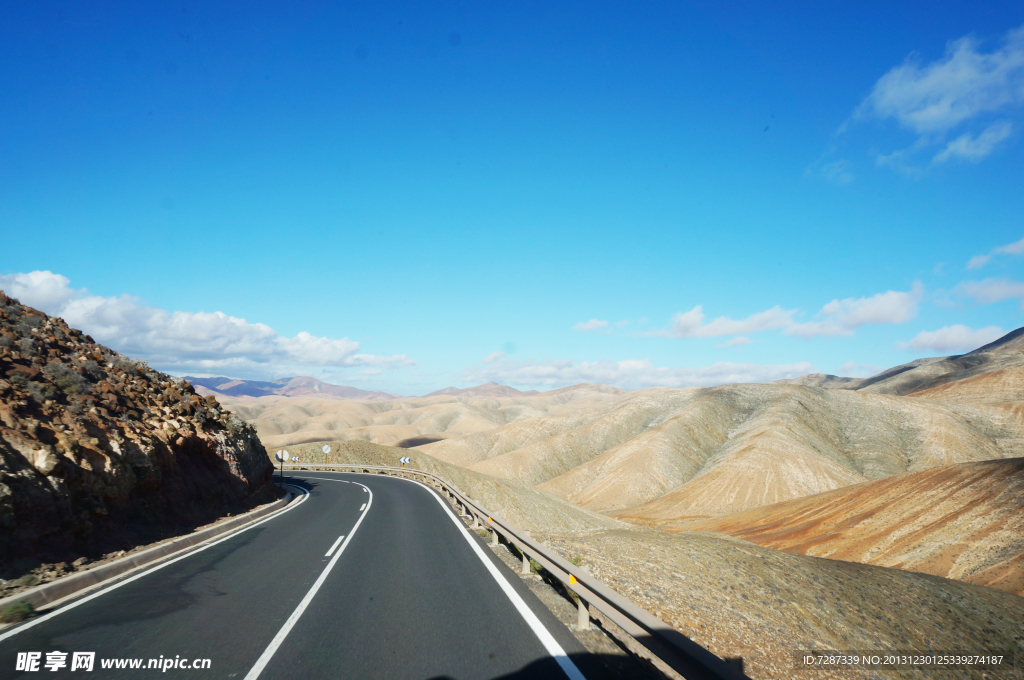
[{"x": 412, "y": 196}]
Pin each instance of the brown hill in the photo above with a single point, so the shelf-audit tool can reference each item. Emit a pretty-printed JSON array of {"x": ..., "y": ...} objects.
[
  {"x": 822, "y": 380},
  {"x": 99, "y": 452},
  {"x": 994, "y": 386},
  {"x": 489, "y": 389},
  {"x": 709, "y": 451},
  {"x": 964, "y": 522},
  {"x": 287, "y": 421},
  {"x": 912, "y": 379}
]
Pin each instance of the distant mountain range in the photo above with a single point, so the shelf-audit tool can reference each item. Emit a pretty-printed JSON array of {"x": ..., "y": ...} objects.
[
  {"x": 302, "y": 386},
  {"x": 305, "y": 386},
  {"x": 992, "y": 368}
]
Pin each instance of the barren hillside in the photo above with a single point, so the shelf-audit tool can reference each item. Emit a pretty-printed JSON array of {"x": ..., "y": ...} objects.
[
  {"x": 708, "y": 451},
  {"x": 284, "y": 421},
  {"x": 912, "y": 379},
  {"x": 964, "y": 522}
]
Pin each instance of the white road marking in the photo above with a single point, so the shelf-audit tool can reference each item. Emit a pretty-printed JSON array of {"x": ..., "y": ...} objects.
[
  {"x": 361, "y": 509},
  {"x": 542, "y": 633},
  {"x": 338, "y": 541},
  {"x": 104, "y": 591},
  {"x": 268, "y": 653}
]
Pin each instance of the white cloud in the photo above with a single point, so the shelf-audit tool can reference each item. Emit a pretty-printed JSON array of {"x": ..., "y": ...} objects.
[
  {"x": 964, "y": 88},
  {"x": 1015, "y": 248},
  {"x": 964, "y": 83},
  {"x": 592, "y": 325},
  {"x": 838, "y": 317},
  {"x": 184, "y": 341},
  {"x": 852, "y": 369},
  {"x": 956, "y": 338},
  {"x": 991, "y": 290},
  {"x": 843, "y": 317},
  {"x": 628, "y": 374},
  {"x": 492, "y": 357},
  {"x": 836, "y": 172},
  {"x": 691, "y": 324},
  {"x": 978, "y": 261},
  {"x": 971, "y": 148}
]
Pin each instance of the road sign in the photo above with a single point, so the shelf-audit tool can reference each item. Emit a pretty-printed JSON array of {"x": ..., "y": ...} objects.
[
  {"x": 295, "y": 459},
  {"x": 282, "y": 456},
  {"x": 326, "y": 449},
  {"x": 404, "y": 460}
]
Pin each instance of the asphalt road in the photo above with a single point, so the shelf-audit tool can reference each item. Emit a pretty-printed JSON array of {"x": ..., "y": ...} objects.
[{"x": 403, "y": 595}]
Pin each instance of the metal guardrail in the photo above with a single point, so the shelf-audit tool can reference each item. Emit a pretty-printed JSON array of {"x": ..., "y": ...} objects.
[{"x": 678, "y": 652}]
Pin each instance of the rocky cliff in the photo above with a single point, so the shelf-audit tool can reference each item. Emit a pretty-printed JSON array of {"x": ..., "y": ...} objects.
[{"x": 99, "y": 452}]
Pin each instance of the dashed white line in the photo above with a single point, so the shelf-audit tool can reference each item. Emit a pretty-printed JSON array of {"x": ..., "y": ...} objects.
[
  {"x": 361, "y": 509},
  {"x": 338, "y": 541}
]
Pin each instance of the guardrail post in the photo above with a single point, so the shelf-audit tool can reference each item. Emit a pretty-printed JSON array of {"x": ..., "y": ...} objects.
[
  {"x": 494, "y": 537},
  {"x": 526, "y": 565},
  {"x": 582, "y": 616},
  {"x": 476, "y": 521}
]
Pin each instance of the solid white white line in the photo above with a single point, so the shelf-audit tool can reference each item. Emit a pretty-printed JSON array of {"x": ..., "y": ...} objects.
[
  {"x": 268, "y": 653},
  {"x": 337, "y": 542},
  {"x": 46, "y": 617},
  {"x": 542, "y": 633},
  {"x": 361, "y": 509}
]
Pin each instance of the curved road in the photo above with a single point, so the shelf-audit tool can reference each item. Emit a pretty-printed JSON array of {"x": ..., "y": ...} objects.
[{"x": 406, "y": 592}]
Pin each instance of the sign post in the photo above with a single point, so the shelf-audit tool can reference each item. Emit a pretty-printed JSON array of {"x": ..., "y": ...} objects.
[{"x": 282, "y": 456}]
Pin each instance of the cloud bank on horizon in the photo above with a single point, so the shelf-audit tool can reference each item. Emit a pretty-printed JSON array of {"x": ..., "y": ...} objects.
[
  {"x": 629, "y": 374},
  {"x": 216, "y": 343},
  {"x": 195, "y": 342}
]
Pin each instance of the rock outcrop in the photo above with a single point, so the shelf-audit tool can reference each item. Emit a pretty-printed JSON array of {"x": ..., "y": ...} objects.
[{"x": 99, "y": 452}]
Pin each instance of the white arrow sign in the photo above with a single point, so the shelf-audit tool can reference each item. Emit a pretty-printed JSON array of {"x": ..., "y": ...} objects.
[
  {"x": 295, "y": 459},
  {"x": 405, "y": 460}
]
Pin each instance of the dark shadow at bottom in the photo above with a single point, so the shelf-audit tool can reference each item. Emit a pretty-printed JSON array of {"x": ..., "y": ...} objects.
[{"x": 591, "y": 666}]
